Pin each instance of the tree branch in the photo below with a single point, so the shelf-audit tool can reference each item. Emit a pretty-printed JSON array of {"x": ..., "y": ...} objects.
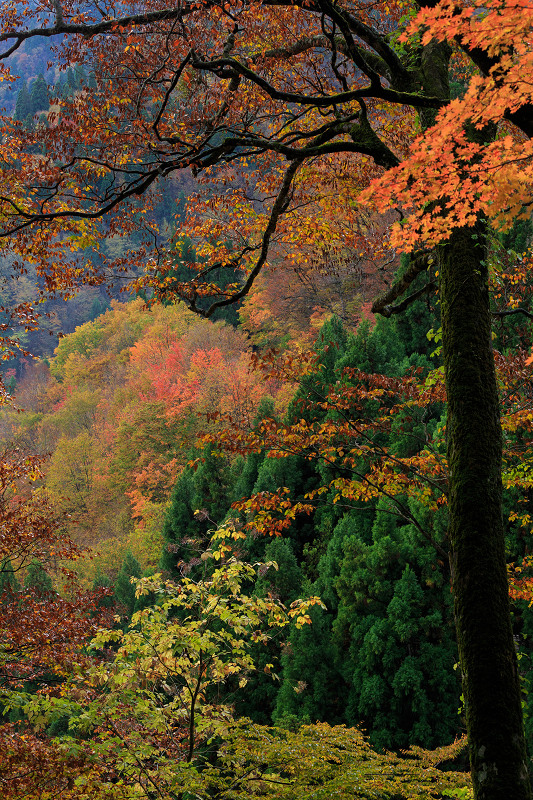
[
  {"x": 419, "y": 263},
  {"x": 279, "y": 207},
  {"x": 399, "y": 308},
  {"x": 511, "y": 311},
  {"x": 229, "y": 67}
]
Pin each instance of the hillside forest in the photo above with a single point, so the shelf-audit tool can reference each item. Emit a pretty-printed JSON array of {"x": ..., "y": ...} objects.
[{"x": 266, "y": 407}]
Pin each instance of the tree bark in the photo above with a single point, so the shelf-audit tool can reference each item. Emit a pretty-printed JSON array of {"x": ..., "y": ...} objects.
[{"x": 485, "y": 640}]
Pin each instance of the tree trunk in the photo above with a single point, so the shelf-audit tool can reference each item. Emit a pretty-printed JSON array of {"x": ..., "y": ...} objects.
[{"x": 486, "y": 646}]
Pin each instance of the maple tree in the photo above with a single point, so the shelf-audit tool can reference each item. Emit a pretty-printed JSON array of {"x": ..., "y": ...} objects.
[
  {"x": 153, "y": 697},
  {"x": 285, "y": 111},
  {"x": 483, "y": 173}
]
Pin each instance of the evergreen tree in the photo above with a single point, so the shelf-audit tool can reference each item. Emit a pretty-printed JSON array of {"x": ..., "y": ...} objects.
[
  {"x": 257, "y": 700},
  {"x": 60, "y": 87},
  {"x": 181, "y": 527},
  {"x": 312, "y": 688},
  {"x": 71, "y": 80},
  {"x": 394, "y": 634},
  {"x": 332, "y": 343},
  {"x": 212, "y": 485},
  {"x": 200, "y": 501},
  {"x": 23, "y": 104},
  {"x": 38, "y": 579},
  {"x": 376, "y": 574},
  {"x": 374, "y": 350},
  {"x": 519, "y": 237},
  {"x": 299, "y": 476},
  {"x": 412, "y": 325},
  {"x": 102, "y": 581},
  {"x": 39, "y": 96},
  {"x": 80, "y": 76},
  {"x": 187, "y": 265},
  {"x": 124, "y": 588},
  {"x": 8, "y": 579}
]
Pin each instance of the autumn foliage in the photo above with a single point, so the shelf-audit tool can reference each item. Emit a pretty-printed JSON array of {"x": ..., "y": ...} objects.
[
  {"x": 286, "y": 121},
  {"x": 473, "y": 161}
]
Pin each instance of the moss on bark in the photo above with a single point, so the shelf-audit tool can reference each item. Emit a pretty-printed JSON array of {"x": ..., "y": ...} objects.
[{"x": 486, "y": 645}]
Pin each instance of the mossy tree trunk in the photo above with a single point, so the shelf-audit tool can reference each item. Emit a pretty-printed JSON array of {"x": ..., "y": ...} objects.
[{"x": 484, "y": 633}]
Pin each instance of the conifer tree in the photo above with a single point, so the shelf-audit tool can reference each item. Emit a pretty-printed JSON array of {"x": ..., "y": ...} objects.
[
  {"x": 312, "y": 688},
  {"x": 71, "y": 79},
  {"x": 331, "y": 343},
  {"x": 23, "y": 104},
  {"x": 246, "y": 470},
  {"x": 124, "y": 589},
  {"x": 181, "y": 526},
  {"x": 39, "y": 96},
  {"x": 396, "y": 614},
  {"x": 102, "y": 581},
  {"x": 8, "y": 578},
  {"x": 341, "y": 634},
  {"x": 200, "y": 500},
  {"x": 37, "y": 579},
  {"x": 283, "y": 583}
]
